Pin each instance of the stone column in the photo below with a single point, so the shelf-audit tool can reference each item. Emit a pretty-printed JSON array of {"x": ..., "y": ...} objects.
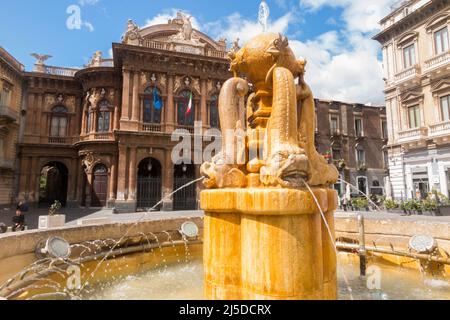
[
  {"x": 170, "y": 118},
  {"x": 135, "y": 112},
  {"x": 125, "y": 95},
  {"x": 83, "y": 120},
  {"x": 116, "y": 111},
  {"x": 122, "y": 173},
  {"x": 132, "y": 184},
  {"x": 203, "y": 106},
  {"x": 168, "y": 171},
  {"x": 34, "y": 181},
  {"x": 112, "y": 183},
  {"x": 30, "y": 119},
  {"x": 264, "y": 244},
  {"x": 23, "y": 188},
  {"x": 72, "y": 184}
]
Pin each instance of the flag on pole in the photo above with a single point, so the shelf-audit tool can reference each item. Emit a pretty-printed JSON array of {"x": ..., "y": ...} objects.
[
  {"x": 157, "y": 103},
  {"x": 189, "y": 108}
]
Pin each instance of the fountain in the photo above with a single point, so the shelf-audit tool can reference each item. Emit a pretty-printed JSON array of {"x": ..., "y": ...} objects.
[
  {"x": 264, "y": 236},
  {"x": 269, "y": 226}
]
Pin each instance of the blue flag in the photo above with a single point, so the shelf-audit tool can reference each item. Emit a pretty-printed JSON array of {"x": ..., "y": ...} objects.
[{"x": 157, "y": 102}]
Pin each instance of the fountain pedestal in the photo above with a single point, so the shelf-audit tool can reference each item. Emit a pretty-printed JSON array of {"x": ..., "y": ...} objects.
[{"x": 268, "y": 244}]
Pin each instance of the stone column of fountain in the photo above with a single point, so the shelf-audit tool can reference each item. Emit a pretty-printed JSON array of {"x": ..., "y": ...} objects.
[{"x": 265, "y": 236}]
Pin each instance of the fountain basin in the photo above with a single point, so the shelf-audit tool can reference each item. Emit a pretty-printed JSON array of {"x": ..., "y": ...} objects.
[{"x": 147, "y": 276}]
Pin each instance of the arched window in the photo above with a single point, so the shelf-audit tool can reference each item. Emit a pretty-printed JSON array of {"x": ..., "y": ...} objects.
[
  {"x": 214, "y": 112},
  {"x": 152, "y": 105},
  {"x": 89, "y": 117},
  {"x": 104, "y": 116},
  {"x": 59, "y": 122},
  {"x": 186, "y": 108}
]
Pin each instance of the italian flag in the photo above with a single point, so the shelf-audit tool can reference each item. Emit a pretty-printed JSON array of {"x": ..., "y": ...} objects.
[{"x": 189, "y": 108}]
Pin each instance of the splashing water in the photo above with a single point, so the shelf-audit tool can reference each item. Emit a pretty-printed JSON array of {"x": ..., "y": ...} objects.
[
  {"x": 360, "y": 192},
  {"x": 83, "y": 286},
  {"x": 330, "y": 235}
]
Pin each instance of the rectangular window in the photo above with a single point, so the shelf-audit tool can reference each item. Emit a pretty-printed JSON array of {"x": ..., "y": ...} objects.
[
  {"x": 445, "y": 108},
  {"x": 2, "y": 150},
  {"x": 409, "y": 56},
  {"x": 386, "y": 159},
  {"x": 334, "y": 125},
  {"x": 5, "y": 96},
  {"x": 359, "y": 127},
  {"x": 384, "y": 130},
  {"x": 414, "y": 117},
  {"x": 361, "y": 157},
  {"x": 337, "y": 154},
  {"x": 441, "y": 44}
]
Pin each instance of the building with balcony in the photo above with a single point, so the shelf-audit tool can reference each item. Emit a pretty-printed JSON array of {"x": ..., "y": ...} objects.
[
  {"x": 354, "y": 138},
  {"x": 10, "y": 116},
  {"x": 101, "y": 136},
  {"x": 416, "y": 60},
  {"x": 97, "y": 137}
]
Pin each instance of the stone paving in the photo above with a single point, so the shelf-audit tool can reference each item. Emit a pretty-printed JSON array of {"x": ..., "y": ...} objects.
[{"x": 73, "y": 215}]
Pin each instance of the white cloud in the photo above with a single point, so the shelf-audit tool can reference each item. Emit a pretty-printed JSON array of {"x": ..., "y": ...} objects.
[
  {"x": 88, "y": 2},
  {"x": 342, "y": 64},
  {"x": 359, "y": 15},
  {"x": 169, "y": 14}
]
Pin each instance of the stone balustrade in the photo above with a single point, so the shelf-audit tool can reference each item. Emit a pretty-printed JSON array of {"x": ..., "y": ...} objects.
[
  {"x": 6, "y": 163},
  {"x": 152, "y": 127},
  {"x": 437, "y": 61},
  {"x": 9, "y": 112},
  {"x": 439, "y": 129},
  {"x": 59, "y": 71},
  {"x": 158, "y": 45},
  {"x": 408, "y": 73},
  {"x": 413, "y": 134}
]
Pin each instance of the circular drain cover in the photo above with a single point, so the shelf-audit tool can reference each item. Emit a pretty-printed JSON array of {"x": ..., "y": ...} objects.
[
  {"x": 57, "y": 247},
  {"x": 422, "y": 243},
  {"x": 189, "y": 229}
]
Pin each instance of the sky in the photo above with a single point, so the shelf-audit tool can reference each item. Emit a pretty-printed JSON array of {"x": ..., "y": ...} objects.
[{"x": 334, "y": 36}]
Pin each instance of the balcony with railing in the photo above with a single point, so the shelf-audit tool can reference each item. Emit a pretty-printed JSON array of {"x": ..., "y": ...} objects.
[
  {"x": 413, "y": 135},
  {"x": 151, "y": 127},
  {"x": 6, "y": 163},
  {"x": 9, "y": 113},
  {"x": 60, "y": 71},
  {"x": 437, "y": 61},
  {"x": 167, "y": 46},
  {"x": 98, "y": 136},
  {"x": 58, "y": 140},
  {"x": 439, "y": 129},
  {"x": 408, "y": 74}
]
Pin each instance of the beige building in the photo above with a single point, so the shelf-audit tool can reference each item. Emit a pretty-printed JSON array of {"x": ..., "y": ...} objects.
[
  {"x": 10, "y": 107},
  {"x": 416, "y": 59}
]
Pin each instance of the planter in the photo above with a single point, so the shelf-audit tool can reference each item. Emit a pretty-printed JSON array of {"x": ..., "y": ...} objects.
[
  {"x": 50, "y": 222},
  {"x": 396, "y": 211},
  {"x": 443, "y": 211}
]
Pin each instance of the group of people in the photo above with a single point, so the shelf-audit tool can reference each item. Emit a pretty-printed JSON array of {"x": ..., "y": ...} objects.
[{"x": 18, "y": 220}]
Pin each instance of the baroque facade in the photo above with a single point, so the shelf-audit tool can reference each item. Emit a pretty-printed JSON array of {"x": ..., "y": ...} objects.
[
  {"x": 10, "y": 117},
  {"x": 354, "y": 138},
  {"x": 101, "y": 136},
  {"x": 416, "y": 58}
]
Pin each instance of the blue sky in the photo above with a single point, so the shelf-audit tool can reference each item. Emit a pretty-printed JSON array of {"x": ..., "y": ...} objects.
[{"x": 333, "y": 35}]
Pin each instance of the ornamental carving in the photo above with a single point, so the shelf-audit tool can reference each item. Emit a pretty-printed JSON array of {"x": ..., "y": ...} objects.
[{"x": 50, "y": 100}]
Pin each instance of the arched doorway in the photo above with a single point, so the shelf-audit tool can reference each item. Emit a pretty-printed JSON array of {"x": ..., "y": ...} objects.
[
  {"x": 53, "y": 184},
  {"x": 185, "y": 199},
  {"x": 149, "y": 184},
  {"x": 99, "y": 186}
]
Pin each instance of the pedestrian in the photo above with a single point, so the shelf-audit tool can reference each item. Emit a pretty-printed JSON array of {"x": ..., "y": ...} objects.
[{"x": 18, "y": 220}]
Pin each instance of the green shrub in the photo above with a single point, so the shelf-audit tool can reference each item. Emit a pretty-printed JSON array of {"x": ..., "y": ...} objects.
[
  {"x": 360, "y": 203},
  {"x": 429, "y": 204},
  {"x": 54, "y": 208},
  {"x": 390, "y": 204}
]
